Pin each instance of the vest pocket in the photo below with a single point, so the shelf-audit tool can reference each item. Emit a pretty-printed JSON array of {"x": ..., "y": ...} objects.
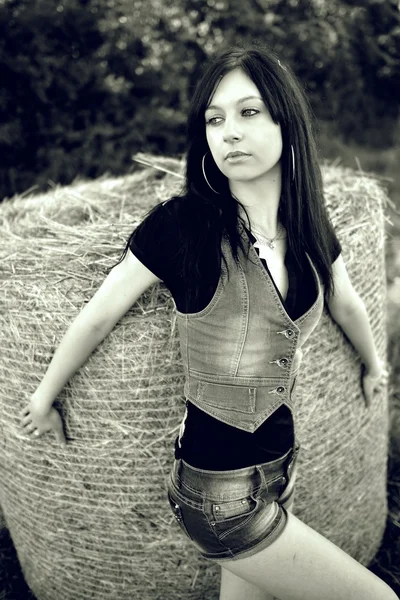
[{"x": 233, "y": 397}]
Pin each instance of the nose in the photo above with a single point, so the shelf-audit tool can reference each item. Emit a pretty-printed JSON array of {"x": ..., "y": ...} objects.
[{"x": 232, "y": 132}]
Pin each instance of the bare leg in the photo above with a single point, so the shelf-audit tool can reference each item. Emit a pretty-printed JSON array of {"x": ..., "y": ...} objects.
[
  {"x": 303, "y": 565},
  {"x": 235, "y": 588}
]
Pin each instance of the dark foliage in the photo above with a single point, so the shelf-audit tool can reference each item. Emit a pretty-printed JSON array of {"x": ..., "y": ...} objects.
[{"x": 86, "y": 83}]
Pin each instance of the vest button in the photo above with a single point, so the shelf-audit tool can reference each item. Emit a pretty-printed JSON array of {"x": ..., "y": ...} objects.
[
  {"x": 280, "y": 389},
  {"x": 283, "y": 362},
  {"x": 289, "y": 333}
]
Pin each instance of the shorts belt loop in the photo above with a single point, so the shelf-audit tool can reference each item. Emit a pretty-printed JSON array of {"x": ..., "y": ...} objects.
[
  {"x": 262, "y": 476},
  {"x": 177, "y": 472},
  {"x": 296, "y": 445},
  {"x": 292, "y": 461}
]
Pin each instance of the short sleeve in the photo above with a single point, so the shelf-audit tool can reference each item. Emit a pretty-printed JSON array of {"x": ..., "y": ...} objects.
[
  {"x": 336, "y": 247},
  {"x": 155, "y": 242}
]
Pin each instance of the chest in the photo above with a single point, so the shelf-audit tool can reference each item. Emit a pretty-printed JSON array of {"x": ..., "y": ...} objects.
[{"x": 275, "y": 259}]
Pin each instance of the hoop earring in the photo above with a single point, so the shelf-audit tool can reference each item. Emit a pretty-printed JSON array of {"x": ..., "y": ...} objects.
[
  {"x": 293, "y": 163},
  {"x": 205, "y": 176}
]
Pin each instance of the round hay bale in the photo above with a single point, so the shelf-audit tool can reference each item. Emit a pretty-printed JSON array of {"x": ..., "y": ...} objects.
[
  {"x": 92, "y": 520},
  {"x": 3, "y": 550},
  {"x": 3, "y": 524}
]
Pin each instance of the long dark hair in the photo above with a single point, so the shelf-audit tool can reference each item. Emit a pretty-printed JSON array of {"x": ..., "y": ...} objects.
[{"x": 301, "y": 209}]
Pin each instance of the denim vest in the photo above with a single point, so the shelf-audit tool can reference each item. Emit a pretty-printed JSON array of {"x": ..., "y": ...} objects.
[{"x": 242, "y": 352}]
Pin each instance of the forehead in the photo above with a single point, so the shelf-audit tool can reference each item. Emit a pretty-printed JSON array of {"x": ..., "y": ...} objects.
[{"x": 233, "y": 86}]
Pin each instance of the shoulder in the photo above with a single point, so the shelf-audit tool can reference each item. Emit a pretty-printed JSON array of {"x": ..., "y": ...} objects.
[
  {"x": 156, "y": 240},
  {"x": 162, "y": 220},
  {"x": 193, "y": 218},
  {"x": 336, "y": 247},
  {"x": 168, "y": 228},
  {"x": 333, "y": 245},
  {"x": 177, "y": 209},
  {"x": 167, "y": 210}
]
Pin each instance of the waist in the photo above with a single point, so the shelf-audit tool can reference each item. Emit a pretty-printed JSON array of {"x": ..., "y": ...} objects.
[
  {"x": 208, "y": 443},
  {"x": 232, "y": 484}
]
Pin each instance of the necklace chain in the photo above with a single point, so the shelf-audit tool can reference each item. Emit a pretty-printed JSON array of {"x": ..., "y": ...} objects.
[{"x": 268, "y": 241}]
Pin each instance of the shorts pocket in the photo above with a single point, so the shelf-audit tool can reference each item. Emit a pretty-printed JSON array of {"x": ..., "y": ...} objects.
[{"x": 230, "y": 516}]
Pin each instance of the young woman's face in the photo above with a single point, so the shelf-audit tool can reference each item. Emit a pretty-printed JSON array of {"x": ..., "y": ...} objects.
[{"x": 237, "y": 120}]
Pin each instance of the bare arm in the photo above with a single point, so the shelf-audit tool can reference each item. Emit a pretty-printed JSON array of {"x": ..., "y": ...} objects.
[
  {"x": 348, "y": 310},
  {"x": 119, "y": 291}
]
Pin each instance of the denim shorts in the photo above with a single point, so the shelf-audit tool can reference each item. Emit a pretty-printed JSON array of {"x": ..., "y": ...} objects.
[{"x": 232, "y": 514}]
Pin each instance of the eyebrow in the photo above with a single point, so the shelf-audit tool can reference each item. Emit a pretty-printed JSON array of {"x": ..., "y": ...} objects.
[{"x": 213, "y": 106}]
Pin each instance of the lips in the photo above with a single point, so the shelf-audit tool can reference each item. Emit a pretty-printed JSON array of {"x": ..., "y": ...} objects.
[{"x": 234, "y": 154}]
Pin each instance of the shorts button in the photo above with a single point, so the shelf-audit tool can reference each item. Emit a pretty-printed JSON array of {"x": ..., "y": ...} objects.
[
  {"x": 216, "y": 508},
  {"x": 283, "y": 362},
  {"x": 212, "y": 523},
  {"x": 244, "y": 501},
  {"x": 289, "y": 333},
  {"x": 280, "y": 389}
]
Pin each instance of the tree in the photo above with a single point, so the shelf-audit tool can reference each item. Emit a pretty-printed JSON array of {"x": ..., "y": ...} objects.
[
  {"x": 66, "y": 99},
  {"x": 87, "y": 83}
]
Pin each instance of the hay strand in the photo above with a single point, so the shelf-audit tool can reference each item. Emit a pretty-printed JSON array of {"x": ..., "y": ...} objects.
[{"x": 92, "y": 521}]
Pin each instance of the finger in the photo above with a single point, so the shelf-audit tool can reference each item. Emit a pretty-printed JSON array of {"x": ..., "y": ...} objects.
[
  {"x": 366, "y": 391},
  {"x": 378, "y": 385},
  {"x": 29, "y": 428},
  {"x": 25, "y": 411},
  {"x": 60, "y": 436},
  {"x": 34, "y": 434},
  {"x": 25, "y": 421}
]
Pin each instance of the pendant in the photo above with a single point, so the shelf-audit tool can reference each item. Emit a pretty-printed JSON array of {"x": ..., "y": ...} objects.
[
  {"x": 262, "y": 250},
  {"x": 262, "y": 240}
]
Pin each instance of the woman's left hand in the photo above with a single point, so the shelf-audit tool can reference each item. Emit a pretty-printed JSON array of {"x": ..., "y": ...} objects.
[{"x": 371, "y": 381}]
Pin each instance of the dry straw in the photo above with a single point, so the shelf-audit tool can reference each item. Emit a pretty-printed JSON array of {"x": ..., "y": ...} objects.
[{"x": 93, "y": 521}]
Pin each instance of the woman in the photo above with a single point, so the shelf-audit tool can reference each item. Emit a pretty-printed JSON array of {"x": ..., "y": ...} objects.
[{"x": 249, "y": 255}]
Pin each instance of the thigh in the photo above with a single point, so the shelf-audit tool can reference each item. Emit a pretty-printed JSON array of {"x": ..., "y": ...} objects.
[
  {"x": 303, "y": 565},
  {"x": 235, "y": 588}
]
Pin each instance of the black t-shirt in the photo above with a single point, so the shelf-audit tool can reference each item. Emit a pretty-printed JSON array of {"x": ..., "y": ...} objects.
[{"x": 208, "y": 443}]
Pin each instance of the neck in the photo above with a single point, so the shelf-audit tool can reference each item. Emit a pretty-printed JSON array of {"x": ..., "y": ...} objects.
[{"x": 261, "y": 199}]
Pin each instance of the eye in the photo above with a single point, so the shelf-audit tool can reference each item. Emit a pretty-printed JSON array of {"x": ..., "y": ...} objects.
[
  {"x": 213, "y": 121},
  {"x": 248, "y": 110}
]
